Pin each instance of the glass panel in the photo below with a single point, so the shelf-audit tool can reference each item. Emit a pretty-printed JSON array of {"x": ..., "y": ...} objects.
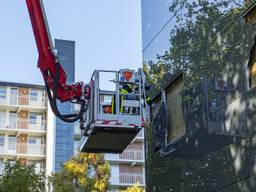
[
  {"x": 107, "y": 81},
  {"x": 32, "y": 118},
  {"x": 11, "y": 143},
  {"x": 33, "y": 95},
  {"x": 14, "y": 96},
  {"x": 35, "y": 140},
  {"x": 2, "y": 119},
  {"x": 3, "y": 93},
  {"x": 32, "y": 141},
  {"x": 198, "y": 37},
  {"x": 13, "y": 120},
  {"x": 1, "y": 140}
]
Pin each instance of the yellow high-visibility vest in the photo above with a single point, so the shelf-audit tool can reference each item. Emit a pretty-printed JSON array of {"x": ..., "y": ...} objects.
[{"x": 122, "y": 91}]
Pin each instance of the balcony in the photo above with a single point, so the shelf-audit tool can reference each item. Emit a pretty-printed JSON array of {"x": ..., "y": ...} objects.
[
  {"x": 22, "y": 126},
  {"x": 129, "y": 155},
  {"x": 8, "y": 101},
  {"x": 38, "y": 167},
  {"x": 127, "y": 179},
  {"x": 22, "y": 149}
]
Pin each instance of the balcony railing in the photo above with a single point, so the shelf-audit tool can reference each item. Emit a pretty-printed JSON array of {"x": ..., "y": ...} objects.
[
  {"x": 131, "y": 178},
  {"x": 15, "y": 148},
  {"x": 127, "y": 179},
  {"x": 37, "y": 169},
  {"x": 20, "y": 123},
  {"x": 131, "y": 154},
  {"x": 26, "y": 100},
  {"x": 127, "y": 155}
]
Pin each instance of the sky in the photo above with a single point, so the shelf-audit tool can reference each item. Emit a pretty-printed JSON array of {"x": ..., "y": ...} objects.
[{"x": 107, "y": 35}]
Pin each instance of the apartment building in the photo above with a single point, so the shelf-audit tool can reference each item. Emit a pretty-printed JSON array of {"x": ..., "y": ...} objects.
[
  {"x": 63, "y": 143},
  {"x": 23, "y": 124},
  {"x": 128, "y": 168}
]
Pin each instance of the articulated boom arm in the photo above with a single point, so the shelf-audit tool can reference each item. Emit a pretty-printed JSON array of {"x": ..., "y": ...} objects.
[{"x": 48, "y": 63}]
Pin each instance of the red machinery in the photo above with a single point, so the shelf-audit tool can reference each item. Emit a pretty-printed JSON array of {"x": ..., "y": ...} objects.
[
  {"x": 48, "y": 62},
  {"x": 123, "y": 123}
]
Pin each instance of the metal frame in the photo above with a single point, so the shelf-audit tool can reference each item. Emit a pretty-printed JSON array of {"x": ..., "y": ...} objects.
[{"x": 93, "y": 114}]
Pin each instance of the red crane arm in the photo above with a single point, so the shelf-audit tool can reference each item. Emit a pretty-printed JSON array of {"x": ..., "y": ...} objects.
[{"x": 48, "y": 61}]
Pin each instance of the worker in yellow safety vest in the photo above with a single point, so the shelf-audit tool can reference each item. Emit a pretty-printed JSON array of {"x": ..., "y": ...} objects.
[{"x": 126, "y": 89}]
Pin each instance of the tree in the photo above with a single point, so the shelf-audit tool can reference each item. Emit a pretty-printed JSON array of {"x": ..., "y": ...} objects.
[
  {"x": 62, "y": 182},
  {"x": 87, "y": 172},
  {"x": 134, "y": 188},
  {"x": 21, "y": 178}
]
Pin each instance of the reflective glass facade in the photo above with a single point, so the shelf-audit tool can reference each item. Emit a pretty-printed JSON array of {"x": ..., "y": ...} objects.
[
  {"x": 231, "y": 168},
  {"x": 64, "y": 146}
]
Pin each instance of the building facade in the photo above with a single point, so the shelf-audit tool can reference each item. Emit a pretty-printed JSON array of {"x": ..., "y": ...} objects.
[
  {"x": 64, "y": 144},
  {"x": 218, "y": 170},
  {"x": 23, "y": 125},
  {"x": 128, "y": 168}
]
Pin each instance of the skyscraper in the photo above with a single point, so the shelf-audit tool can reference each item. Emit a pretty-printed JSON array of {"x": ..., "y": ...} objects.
[{"x": 64, "y": 144}]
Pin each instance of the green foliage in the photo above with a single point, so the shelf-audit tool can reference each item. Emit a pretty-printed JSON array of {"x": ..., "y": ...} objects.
[
  {"x": 205, "y": 41},
  {"x": 62, "y": 182},
  {"x": 86, "y": 172},
  {"x": 20, "y": 178},
  {"x": 134, "y": 188}
]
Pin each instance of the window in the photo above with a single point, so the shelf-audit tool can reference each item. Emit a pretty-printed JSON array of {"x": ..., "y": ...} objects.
[
  {"x": 13, "y": 117},
  {"x": 1, "y": 140},
  {"x": 32, "y": 140},
  {"x": 14, "y": 95},
  {"x": 12, "y": 138},
  {"x": 33, "y": 95},
  {"x": 2, "y": 119},
  {"x": 35, "y": 140},
  {"x": 11, "y": 142},
  {"x": 32, "y": 118},
  {"x": 3, "y": 92}
]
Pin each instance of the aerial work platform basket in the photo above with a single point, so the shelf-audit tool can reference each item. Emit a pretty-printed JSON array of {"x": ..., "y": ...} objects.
[{"x": 114, "y": 115}]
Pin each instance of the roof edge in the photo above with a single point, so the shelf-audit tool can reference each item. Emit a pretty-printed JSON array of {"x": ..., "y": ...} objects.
[{"x": 15, "y": 84}]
